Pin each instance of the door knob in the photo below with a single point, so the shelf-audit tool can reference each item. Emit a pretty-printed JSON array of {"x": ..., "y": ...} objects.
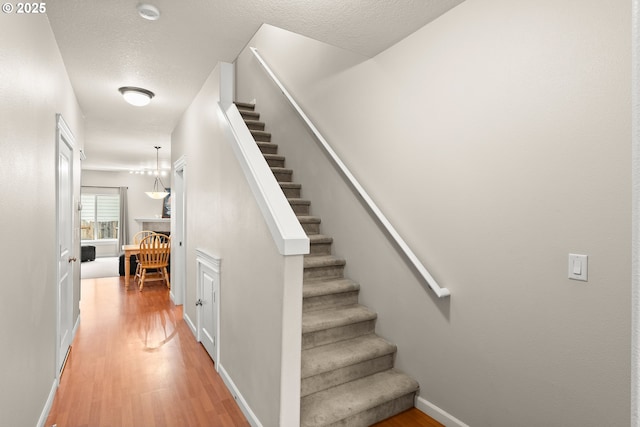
[{"x": 73, "y": 259}]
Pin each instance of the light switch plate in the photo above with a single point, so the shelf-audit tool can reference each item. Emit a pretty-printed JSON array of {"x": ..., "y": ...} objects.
[{"x": 578, "y": 267}]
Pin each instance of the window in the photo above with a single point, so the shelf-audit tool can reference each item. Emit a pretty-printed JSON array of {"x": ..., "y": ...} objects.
[{"x": 99, "y": 219}]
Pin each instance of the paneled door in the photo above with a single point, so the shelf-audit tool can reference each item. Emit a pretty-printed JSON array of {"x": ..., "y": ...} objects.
[
  {"x": 208, "y": 303},
  {"x": 66, "y": 257}
]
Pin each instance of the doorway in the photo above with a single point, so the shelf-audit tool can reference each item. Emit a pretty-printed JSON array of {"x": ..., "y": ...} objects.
[{"x": 178, "y": 247}]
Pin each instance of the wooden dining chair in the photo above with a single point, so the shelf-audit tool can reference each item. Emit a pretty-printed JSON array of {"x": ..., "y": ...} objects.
[
  {"x": 154, "y": 255},
  {"x": 137, "y": 238}
]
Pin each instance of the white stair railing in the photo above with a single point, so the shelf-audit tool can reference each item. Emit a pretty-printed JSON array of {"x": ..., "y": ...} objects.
[{"x": 431, "y": 282}]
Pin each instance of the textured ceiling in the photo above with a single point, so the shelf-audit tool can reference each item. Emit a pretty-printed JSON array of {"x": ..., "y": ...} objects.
[{"x": 106, "y": 45}]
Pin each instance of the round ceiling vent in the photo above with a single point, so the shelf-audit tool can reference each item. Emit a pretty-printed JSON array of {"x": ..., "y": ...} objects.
[{"x": 148, "y": 11}]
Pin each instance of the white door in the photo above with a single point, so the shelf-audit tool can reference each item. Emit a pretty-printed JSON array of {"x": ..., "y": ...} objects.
[
  {"x": 178, "y": 241},
  {"x": 66, "y": 257},
  {"x": 208, "y": 303}
]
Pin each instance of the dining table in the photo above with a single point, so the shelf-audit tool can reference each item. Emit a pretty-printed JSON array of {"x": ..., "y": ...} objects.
[{"x": 128, "y": 251}]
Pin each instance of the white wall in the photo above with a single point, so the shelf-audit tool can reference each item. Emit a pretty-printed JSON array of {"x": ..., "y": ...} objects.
[
  {"x": 33, "y": 87},
  {"x": 497, "y": 140},
  {"x": 223, "y": 219},
  {"x": 140, "y": 205}
]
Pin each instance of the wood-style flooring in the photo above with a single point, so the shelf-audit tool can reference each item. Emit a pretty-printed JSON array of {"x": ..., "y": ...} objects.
[{"x": 135, "y": 363}]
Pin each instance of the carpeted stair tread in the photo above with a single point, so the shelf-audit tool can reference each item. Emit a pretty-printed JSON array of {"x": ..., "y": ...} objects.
[
  {"x": 347, "y": 400},
  {"x": 335, "y": 317},
  {"x": 245, "y": 106},
  {"x": 333, "y": 356},
  {"x": 273, "y": 157},
  {"x": 254, "y": 124},
  {"x": 267, "y": 147},
  {"x": 315, "y": 288},
  {"x": 323, "y": 261},
  {"x": 261, "y": 135},
  {"x": 320, "y": 238},
  {"x": 309, "y": 219}
]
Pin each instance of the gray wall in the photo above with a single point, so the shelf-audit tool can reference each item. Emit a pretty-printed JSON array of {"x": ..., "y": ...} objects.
[
  {"x": 33, "y": 87},
  {"x": 223, "y": 219},
  {"x": 497, "y": 141}
]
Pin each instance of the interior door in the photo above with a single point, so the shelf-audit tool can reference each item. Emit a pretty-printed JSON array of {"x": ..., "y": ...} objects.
[
  {"x": 66, "y": 257},
  {"x": 208, "y": 303}
]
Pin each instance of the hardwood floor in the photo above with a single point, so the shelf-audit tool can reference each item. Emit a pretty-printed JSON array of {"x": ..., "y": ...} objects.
[
  {"x": 135, "y": 363},
  {"x": 412, "y": 417}
]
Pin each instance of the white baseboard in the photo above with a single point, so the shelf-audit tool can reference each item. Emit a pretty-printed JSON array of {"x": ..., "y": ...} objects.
[
  {"x": 49, "y": 403},
  {"x": 191, "y": 325},
  {"x": 244, "y": 407},
  {"x": 438, "y": 414},
  {"x": 75, "y": 328}
]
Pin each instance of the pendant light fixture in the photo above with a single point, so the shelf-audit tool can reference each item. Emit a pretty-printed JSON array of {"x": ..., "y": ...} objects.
[{"x": 157, "y": 193}]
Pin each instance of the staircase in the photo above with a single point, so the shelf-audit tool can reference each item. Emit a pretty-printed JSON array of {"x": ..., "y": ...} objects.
[{"x": 347, "y": 370}]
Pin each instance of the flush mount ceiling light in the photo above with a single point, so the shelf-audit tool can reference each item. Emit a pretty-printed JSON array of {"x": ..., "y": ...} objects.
[
  {"x": 136, "y": 95},
  {"x": 157, "y": 193},
  {"x": 148, "y": 11}
]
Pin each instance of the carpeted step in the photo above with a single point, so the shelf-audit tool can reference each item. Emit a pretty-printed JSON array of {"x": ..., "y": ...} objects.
[
  {"x": 260, "y": 135},
  {"x": 254, "y": 124},
  {"x": 360, "y": 403},
  {"x": 323, "y": 294},
  {"x": 282, "y": 174},
  {"x": 338, "y": 363},
  {"x": 291, "y": 189},
  {"x": 274, "y": 160},
  {"x": 310, "y": 224},
  {"x": 323, "y": 267},
  {"x": 320, "y": 244},
  {"x": 322, "y": 327},
  {"x": 300, "y": 206},
  {"x": 267, "y": 147},
  {"x": 245, "y": 106}
]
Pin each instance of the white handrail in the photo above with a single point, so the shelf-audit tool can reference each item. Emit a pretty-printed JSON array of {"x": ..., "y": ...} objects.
[{"x": 440, "y": 292}]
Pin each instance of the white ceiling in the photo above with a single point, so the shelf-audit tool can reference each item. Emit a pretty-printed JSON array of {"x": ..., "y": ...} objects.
[{"x": 106, "y": 45}]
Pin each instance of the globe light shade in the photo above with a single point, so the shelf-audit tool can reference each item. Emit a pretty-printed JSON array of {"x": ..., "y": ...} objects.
[{"x": 136, "y": 96}]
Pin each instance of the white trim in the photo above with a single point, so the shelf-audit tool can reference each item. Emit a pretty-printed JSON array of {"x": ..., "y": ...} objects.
[
  {"x": 635, "y": 215},
  {"x": 438, "y": 414},
  {"x": 190, "y": 324},
  {"x": 431, "y": 282},
  {"x": 48, "y": 404},
  {"x": 244, "y": 406},
  {"x": 75, "y": 329}
]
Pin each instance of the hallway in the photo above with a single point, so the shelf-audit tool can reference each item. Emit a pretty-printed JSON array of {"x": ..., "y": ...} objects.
[{"x": 134, "y": 362}]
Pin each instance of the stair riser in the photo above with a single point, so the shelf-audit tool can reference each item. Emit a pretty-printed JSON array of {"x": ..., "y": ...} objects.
[
  {"x": 293, "y": 193},
  {"x": 378, "y": 413},
  {"x": 300, "y": 209},
  {"x": 263, "y": 137},
  {"x": 330, "y": 301},
  {"x": 283, "y": 176},
  {"x": 255, "y": 126},
  {"x": 310, "y": 228},
  {"x": 275, "y": 163},
  {"x": 341, "y": 333},
  {"x": 320, "y": 249},
  {"x": 249, "y": 115},
  {"x": 344, "y": 375},
  {"x": 323, "y": 272},
  {"x": 268, "y": 149}
]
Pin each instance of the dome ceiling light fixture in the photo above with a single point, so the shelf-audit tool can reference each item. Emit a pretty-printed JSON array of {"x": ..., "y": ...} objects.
[
  {"x": 136, "y": 95},
  {"x": 148, "y": 11},
  {"x": 157, "y": 193}
]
